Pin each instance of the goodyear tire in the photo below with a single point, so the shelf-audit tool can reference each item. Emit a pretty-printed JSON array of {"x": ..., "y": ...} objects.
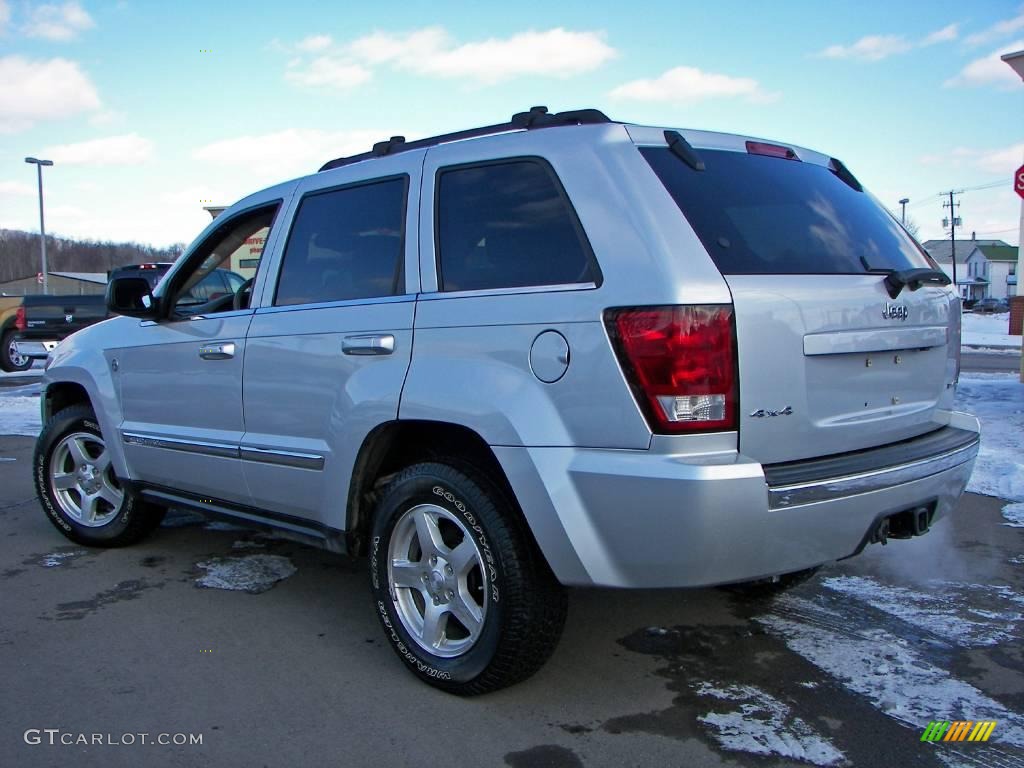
[
  {"x": 78, "y": 488},
  {"x": 464, "y": 597}
]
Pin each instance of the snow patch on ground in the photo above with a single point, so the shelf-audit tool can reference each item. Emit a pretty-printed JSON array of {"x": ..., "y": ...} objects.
[
  {"x": 19, "y": 411},
  {"x": 887, "y": 670},
  {"x": 760, "y": 724},
  {"x": 987, "y": 331},
  {"x": 1014, "y": 514},
  {"x": 57, "y": 559},
  {"x": 252, "y": 573},
  {"x": 998, "y": 401},
  {"x": 949, "y": 610}
]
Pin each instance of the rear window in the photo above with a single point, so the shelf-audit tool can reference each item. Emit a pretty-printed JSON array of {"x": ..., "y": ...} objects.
[{"x": 765, "y": 215}]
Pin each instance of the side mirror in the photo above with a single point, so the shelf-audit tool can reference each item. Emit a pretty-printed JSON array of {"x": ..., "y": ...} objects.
[{"x": 131, "y": 296}]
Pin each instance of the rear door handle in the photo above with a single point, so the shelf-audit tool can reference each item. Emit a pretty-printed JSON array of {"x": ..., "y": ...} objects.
[
  {"x": 372, "y": 344},
  {"x": 224, "y": 351}
]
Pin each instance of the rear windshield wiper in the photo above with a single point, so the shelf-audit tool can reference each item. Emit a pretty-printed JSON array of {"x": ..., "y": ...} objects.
[{"x": 896, "y": 280}]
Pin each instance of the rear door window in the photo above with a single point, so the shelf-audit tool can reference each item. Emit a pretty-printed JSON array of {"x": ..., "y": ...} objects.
[
  {"x": 506, "y": 225},
  {"x": 765, "y": 215},
  {"x": 345, "y": 244}
]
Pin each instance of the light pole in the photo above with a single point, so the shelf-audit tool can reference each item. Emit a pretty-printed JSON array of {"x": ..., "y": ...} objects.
[
  {"x": 42, "y": 224},
  {"x": 903, "y": 211}
]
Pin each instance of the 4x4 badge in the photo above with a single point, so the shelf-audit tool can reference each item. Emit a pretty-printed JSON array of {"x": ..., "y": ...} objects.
[
  {"x": 761, "y": 413},
  {"x": 895, "y": 312}
]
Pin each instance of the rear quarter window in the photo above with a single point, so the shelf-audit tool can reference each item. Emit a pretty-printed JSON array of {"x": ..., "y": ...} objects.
[
  {"x": 766, "y": 215},
  {"x": 508, "y": 224}
]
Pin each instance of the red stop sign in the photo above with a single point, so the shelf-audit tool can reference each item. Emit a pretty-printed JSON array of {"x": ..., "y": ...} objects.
[{"x": 1018, "y": 181}]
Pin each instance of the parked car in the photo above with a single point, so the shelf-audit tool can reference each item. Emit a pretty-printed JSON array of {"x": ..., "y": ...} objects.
[
  {"x": 556, "y": 351},
  {"x": 990, "y": 306},
  {"x": 47, "y": 320},
  {"x": 11, "y": 314}
]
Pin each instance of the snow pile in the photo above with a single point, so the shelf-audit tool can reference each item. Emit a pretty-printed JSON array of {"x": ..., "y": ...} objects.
[
  {"x": 998, "y": 401},
  {"x": 987, "y": 331},
  {"x": 760, "y": 724},
  {"x": 19, "y": 410},
  {"x": 1014, "y": 514},
  {"x": 968, "y": 615},
  {"x": 252, "y": 574}
]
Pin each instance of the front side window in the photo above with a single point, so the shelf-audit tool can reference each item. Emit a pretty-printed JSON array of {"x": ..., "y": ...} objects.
[
  {"x": 345, "y": 244},
  {"x": 224, "y": 265},
  {"x": 508, "y": 225}
]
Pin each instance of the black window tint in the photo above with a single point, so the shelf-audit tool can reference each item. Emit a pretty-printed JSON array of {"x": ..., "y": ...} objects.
[
  {"x": 345, "y": 244},
  {"x": 507, "y": 225},
  {"x": 760, "y": 215}
]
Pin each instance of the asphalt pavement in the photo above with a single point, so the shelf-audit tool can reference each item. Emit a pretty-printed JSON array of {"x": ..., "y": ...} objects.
[{"x": 111, "y": 644}]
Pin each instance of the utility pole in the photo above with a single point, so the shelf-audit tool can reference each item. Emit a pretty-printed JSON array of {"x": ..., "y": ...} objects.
[
  {"x": 42, "y": 226},
  {"x": 903, "y": 210},
  {"x": 953, "y": 221}
]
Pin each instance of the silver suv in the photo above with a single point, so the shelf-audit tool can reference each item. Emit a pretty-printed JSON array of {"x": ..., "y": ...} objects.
[{"x": 556, "y": 351}]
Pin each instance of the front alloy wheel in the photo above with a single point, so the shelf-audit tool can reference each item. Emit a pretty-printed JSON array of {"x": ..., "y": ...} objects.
[
  {"x": 83, "y": 481},
  {"x": 79, "y": 489}
]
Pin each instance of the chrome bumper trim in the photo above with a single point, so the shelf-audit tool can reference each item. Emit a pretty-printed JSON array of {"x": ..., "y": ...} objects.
[
  {"x": 786, "y": 496},
  {"x": 37, "y": 350}
]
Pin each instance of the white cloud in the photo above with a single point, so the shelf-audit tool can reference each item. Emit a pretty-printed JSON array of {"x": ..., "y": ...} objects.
[
  {"x": 57, "y": 22},
  {"x": 944, "y": 35},
  {"x": 16, "y": 189},
  {"x": 128, "y": 149},
  {"x": 996, "y": 161},
  {"x": 869, "y": 48},
  {"x": 33, "y": 90},
  {"x": 431, "y": 51},
  {"x": 989, "y": 70},
  {"x": 315, "y": 43},
  {"x": 292, "y": 152},
  {"x": 686, "y": 85},
  {"x": 327, "y": 71},
  {"x": 1000, "y": 29}
]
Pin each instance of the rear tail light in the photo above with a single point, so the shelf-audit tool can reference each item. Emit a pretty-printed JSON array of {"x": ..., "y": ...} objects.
[
  {"x": 19, "y": 319},
  {"x": 681, "y": 363}
]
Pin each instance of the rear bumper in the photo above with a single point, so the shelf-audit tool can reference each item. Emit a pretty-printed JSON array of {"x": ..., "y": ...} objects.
[
  {"x": 637, "y": 519},
  {"x": 36, "y": 349}
]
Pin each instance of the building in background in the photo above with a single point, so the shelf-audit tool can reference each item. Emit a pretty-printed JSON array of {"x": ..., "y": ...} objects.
[
  {"x": 61, "y": 283},
  {"x": 993, "y": 272},
  {"x": 941, "y": 251}
]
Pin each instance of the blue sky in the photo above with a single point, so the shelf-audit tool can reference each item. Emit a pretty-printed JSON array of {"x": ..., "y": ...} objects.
[{"x": 145, "y": 125}]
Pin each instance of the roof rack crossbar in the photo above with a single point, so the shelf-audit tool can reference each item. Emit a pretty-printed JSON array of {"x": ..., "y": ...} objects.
[{"x": 536, "y": 117}]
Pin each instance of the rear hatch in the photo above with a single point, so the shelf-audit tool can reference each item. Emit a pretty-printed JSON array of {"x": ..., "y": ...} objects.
[{"x": 834, "y": 354}]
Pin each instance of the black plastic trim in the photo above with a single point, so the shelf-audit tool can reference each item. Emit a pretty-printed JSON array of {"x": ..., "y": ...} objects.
[{"x": 839, "y": 465}]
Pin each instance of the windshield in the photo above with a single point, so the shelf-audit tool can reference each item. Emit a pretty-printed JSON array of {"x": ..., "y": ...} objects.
[{"x": 765, "y": 215}]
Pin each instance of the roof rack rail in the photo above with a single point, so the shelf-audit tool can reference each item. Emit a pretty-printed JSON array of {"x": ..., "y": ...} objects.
[{"x": 536, "y": 117}]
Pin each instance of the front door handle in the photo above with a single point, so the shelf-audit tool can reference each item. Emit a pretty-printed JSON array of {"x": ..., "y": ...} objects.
[
  {"x": 372, "y": 344},
  {"x": 220, "y": 351}
]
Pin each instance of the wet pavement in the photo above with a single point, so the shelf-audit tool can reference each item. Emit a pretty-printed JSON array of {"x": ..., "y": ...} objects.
[{"x": 271, "y": 652}]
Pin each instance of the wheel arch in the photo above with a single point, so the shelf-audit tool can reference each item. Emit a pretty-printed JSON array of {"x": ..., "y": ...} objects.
[{"x": 394, "y": 445}]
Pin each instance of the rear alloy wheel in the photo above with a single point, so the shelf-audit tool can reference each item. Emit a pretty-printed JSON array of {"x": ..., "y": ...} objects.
[
  {"x": 79, "y": 489},
  {"x": 465, "y": 598},
  {"x": 10, "y": 359}
]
